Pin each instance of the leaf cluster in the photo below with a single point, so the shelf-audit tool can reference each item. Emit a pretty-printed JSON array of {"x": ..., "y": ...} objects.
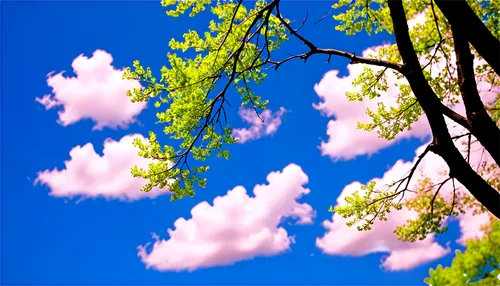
[
  {"x": 191, "y": 92},
  {"x": 478, "y": 265}
]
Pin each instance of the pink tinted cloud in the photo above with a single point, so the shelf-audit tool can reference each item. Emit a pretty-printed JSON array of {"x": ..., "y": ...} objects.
[
  {"x": 342, "y": 240},
  {"x": 471, "y": 226},
  {"x": 98, "y": 92},
  {"x": 267, "y": 124},
  {"x": 348, "y": 241},
  {"x": 90, "y": 175},
  {"x": 236, "y": 227},
  {"x": 345, "y": 140}
]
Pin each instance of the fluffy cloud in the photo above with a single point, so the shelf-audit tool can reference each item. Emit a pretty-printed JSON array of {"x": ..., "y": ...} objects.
[
  {"x": 343, "y": 240},
  {"x": 471, "y": 226},
  {"x": 236, "y": 227},
  {"x": 346, "y": 141},
  {"x": 90, "y": 175},
  {"x": 267, "y": 124},
  {"x": 97, "y": 92}
]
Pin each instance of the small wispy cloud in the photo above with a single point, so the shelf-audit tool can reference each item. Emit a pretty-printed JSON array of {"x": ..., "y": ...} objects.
[{"x": 264, "y": 124}]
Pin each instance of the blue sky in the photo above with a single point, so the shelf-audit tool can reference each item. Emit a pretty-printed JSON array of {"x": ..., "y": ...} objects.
[{"x": 56, "y": 240}]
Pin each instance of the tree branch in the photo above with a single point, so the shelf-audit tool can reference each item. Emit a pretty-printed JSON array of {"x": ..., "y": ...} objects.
[
  {"x": 315, "y": 50},
  {"x": 460, "y": 15},
  {"x": 442, "y": 142},
  {"x": 483, "y": 127},
  {"x": 448, "y": 112}
]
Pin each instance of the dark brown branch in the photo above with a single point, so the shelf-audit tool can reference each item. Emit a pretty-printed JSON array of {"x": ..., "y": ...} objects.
[
  {"x": 208, "y": 119},
  {"x": 483, "y": 127},
  {"x": 460, "y": 15},
  {"x": 442, "y": 142},
  {"x": 332, "y": 52},
  {"x": 460, "y": 136},
  {"x": 354, "y": 60},
  {"x": 454, "y": 197},
  {"x": 407, "y": 178},
  {"x": 323, "y": 17},
  {"x": 436, "y": 194},
  {"x": 414, "y": 168},
  {"x": 303, "y": 21},
  {"x": 315, "y": 50},
  {"x": 448, "y": 112},
  {"x": 229, "y": 31}
]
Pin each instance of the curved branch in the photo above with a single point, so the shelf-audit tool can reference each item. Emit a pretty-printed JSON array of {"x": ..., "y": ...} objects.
[
  {"x": 448, "y": 112},
  {"x": 460, "y": 15},
  {"x": 315, "y": 50},
  {"x": 483, "y": 127},
  {"x": 442, "y": 141}
]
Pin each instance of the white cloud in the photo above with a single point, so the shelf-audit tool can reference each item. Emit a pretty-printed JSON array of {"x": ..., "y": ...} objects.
[
  {"x": 346, "y": 141},
  {"x": 343, "y": 240},
  {"x": 267, "y": 124},
  {"x": 236, "y": 227},
  {"x": 471, "y": 226},
  {"x": 97, "y": 92},
  {"x": 90, "y": 175}
]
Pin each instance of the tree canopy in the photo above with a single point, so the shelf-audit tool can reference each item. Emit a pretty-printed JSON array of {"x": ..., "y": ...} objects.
[
  {"x": 440, "y": 60},
  {"x": 479, "y": 264}
]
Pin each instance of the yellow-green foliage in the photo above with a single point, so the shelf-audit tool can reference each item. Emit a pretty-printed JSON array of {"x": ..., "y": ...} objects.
[
  {"x": 191, "y": 94},
  {"x": 474, "y": 266},
  {"x": 434, "y": 34}
]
